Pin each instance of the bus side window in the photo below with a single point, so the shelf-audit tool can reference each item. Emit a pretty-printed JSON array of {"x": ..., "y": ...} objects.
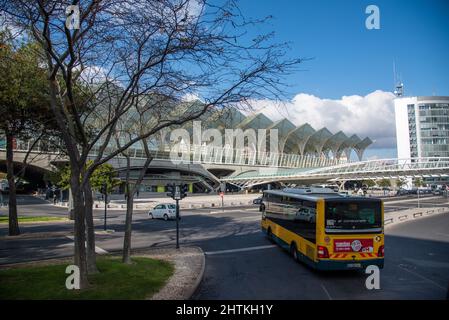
[{"x": 306, "y": 220}]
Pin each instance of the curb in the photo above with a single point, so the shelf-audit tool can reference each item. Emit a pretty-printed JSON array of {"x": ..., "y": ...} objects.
[
  {"x": 403, "y": 217},
  {"x": 41, "y": 262},
  {"x": 200, "y": 277},
  {"x": 38, "y": 235},
  {"x": 40, "y": 222}
]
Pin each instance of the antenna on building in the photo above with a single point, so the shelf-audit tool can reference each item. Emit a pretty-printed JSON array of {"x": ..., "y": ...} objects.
[{"x": 398, "y": 85}]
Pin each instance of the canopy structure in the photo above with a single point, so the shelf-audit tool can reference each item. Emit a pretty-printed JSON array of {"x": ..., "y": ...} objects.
[
  {"x": 334, "y": 143},
  {"x": 316, "y": 141},
  {"x": 295, "y": 140},
  {"x": 361, "y": 147},
  {"x": 347, "y": 146}
]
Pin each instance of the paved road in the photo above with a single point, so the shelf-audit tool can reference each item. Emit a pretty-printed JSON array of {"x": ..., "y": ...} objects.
[
  {"x": 196, "y": 226},
  {"x": 32, "y": 206},
  {"x": 417, "y": 261},
  {"x": 416, "y": 267}
]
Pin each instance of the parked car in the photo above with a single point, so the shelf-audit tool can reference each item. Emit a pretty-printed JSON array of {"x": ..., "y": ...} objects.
[
  {"x": 257, "y": 200},
  {"x": 164, "y": 211},
  {"x": 421, "y": 191},
  {"x": 402, "y": 192},
  {"x": 437, "y": 192}
]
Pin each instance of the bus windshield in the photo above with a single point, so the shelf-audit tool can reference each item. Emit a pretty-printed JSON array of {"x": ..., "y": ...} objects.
[{"x": 353, "y": 216}]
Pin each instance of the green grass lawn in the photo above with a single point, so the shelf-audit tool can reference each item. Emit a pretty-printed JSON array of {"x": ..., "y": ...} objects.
[
  {"x": 5, "y": 219},
  {"x": 116, "y": 280}
]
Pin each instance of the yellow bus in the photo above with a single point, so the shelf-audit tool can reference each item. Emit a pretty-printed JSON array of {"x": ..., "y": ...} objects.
[{"x": 324, "y": 229}]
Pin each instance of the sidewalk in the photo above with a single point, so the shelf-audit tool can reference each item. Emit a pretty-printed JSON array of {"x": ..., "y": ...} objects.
[
  {"x": 190, "y": 263},
  {"x": 190, "y": 202},
  {"x": 392, "y": 218}
]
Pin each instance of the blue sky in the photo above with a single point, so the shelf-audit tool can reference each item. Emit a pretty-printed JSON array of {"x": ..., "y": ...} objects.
[{"x": 350, "y": 59}]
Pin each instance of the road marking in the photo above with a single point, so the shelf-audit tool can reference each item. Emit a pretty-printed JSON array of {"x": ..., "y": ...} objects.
[
  {"x": 424, "y": 278},
  {"x": 247, "y": 218},
  {"x": 327, "y": 292},
  {"x": 97, "y": 249},
  {"x": 225, "y": 211},
  {"x": 241, "y": 249}
]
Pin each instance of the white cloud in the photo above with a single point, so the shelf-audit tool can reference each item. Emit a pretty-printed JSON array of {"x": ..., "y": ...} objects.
[
  {"x": 191, "y": 97},
  {"x": 371, "y": 115}
]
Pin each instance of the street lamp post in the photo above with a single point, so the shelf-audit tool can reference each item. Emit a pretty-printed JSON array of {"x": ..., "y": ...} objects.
[
  {"x": 177, "y": 223},
  {"x": 105, "y": 205}
]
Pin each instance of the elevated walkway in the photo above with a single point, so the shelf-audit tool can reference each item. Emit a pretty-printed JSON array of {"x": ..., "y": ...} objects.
[{"x": 362, "y": 170}]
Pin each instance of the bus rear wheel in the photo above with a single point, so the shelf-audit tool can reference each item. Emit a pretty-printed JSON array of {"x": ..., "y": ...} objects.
[
  {"x": 270, "y": 235},
  {"x": 294, "y": 251}
]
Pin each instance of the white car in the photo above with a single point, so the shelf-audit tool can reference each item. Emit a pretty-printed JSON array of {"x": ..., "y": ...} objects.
[{"x": 163, "y": 211}]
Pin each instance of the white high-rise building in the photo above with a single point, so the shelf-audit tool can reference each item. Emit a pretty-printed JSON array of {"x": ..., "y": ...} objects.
[{"x": 422, "y": 126}]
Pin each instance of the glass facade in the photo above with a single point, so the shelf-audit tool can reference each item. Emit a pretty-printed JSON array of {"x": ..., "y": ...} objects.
[
  {"x": 412, "y": 131},
  {"x": 434, "y": 129}
]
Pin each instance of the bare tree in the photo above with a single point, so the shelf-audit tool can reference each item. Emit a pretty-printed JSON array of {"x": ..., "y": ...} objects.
[
  {"x": 129, "y": 49},
  {"x": 137, "y": 123}
]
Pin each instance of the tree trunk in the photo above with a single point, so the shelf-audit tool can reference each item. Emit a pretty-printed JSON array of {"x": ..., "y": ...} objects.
[
  {"x": 80, "y": 236},
  {"x": 128, "y": 225},
  {"x": 130, "y": 191},
  {"x": 91, "y": 256},
  {"x": 13, "y": 219}
]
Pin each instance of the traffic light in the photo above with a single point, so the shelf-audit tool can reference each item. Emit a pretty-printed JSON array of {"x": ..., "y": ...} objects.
[
  {"x": 184, "y": 190},
  {"x": 171, "y": 190}
]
